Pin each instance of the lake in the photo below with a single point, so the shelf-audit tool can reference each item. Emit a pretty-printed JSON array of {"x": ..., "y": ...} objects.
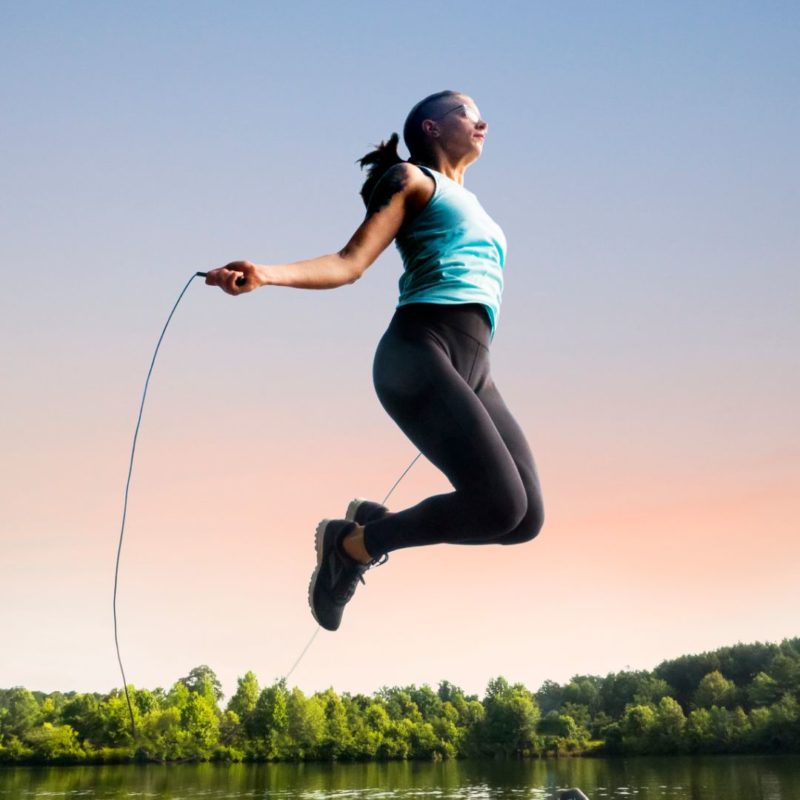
[{"x": 677, "y": 778}]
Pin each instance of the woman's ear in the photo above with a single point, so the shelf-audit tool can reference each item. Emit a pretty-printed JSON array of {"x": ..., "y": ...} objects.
[{"x": 430, "y": 127}]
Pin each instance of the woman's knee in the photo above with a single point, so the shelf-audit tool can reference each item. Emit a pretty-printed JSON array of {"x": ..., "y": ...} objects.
[
  {"x": 504, "y": 509},
  {"x": 529, "y": 526}
]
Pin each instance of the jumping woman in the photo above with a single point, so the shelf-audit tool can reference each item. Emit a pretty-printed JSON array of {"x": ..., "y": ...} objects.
[{"x": 431, "y": 369}]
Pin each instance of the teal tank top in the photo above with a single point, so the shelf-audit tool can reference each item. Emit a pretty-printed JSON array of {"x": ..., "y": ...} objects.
[{"x": 452, "y": 251}]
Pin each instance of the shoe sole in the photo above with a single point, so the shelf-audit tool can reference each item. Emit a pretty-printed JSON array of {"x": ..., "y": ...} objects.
[{"x": 319, "y": 539}]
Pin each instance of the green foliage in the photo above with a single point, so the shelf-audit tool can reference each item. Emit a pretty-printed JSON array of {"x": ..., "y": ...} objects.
[
  {"x": 668, "y": 732},
  {"x": 202, "y": 680},
  {"x": 739, "y": 663},
  {"x": 744, "y": 698},
  {"x": 57, "y": 744},
  {"x": 271, "y": 721},
  {"x": 508, "y": 727},
  {"x": 19, "y": 712},
  {"x": 561, "y": 733},
  {"x": 714, "y": 690},
  {"x": 244, "y": 700},
  {"x": 621, "y": 689},
  {"x": 550, "y": 697},
  {"x": 764, "y": 690}
]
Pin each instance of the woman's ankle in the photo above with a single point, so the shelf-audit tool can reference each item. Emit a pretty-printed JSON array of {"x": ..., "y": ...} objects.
[{"x": 353, "y": 545}]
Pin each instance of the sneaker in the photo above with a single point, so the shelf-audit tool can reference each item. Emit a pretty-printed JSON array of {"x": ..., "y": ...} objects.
[
  {"x": 336, "y": 576},
  {"x": 363, "y": 511}
]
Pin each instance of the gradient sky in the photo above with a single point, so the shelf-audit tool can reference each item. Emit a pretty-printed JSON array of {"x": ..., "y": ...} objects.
[{"x": 642, "y": 160}]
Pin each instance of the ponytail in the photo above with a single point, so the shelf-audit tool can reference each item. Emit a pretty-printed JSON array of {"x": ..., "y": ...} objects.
[
  {"x": 378, "y": 162},
  {"x": 385, "y": 156}
]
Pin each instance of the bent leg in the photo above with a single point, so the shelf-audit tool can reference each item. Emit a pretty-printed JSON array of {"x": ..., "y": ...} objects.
[
  {"x": 514, "y": 439},
  {"x": 440, "y": 413}
]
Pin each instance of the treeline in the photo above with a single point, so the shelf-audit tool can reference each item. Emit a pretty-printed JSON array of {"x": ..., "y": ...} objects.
[{"x": 744, "y": 698}]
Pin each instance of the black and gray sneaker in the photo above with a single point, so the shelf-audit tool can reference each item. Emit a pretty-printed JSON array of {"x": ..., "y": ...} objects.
[
  {"x": 363, "y": 511},
  {"x": 336, "y": 576}
]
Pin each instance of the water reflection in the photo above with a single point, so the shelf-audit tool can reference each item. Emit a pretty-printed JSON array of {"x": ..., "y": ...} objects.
[{"x": 720, "y": 778}]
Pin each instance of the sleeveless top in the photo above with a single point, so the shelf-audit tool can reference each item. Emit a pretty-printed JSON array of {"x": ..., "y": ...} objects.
[{"x": 452, "y": 251}]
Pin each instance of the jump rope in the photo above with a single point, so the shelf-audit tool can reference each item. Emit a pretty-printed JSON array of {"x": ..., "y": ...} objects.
[{"x": 239, "y": 282}]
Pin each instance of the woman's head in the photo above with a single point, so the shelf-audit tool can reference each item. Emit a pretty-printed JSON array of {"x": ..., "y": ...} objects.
[
  {"x": 438, "y": 122},
  {"x": 445, "y": 123}
]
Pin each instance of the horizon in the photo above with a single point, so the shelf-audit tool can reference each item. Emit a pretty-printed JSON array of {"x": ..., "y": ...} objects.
[{"x": 437, "y": 683}]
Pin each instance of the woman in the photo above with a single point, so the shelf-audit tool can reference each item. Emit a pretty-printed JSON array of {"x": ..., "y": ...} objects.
[{"x": 431, "y": 369}]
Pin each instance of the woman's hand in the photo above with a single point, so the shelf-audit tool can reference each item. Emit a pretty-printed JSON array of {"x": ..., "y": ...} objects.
[{"x": 237, "y": 277}]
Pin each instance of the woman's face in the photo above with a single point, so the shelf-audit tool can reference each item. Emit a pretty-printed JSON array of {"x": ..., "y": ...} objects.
[{"x": 458, "y": 127}]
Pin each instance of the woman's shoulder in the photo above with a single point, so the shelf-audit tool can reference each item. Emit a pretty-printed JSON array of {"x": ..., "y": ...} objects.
[
  {"x": 404, "y": 179},
  {"x": 408, "y": 173},
  {"x": 413, "y": 181},
  {"x": 420, "y": 182}
]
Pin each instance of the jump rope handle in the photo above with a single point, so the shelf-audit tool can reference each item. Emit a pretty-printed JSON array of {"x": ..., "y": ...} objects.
[{"x": 239, "y": 281}]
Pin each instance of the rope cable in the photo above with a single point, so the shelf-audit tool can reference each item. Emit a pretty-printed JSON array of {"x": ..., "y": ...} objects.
[
  {"x": 319, "y": 627},
  {"x": 125, "y": 510},
  {"x": 127, "y": 489}
]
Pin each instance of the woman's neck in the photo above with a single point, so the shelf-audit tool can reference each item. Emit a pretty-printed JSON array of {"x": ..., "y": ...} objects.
[{"x": 451, "y": 170}]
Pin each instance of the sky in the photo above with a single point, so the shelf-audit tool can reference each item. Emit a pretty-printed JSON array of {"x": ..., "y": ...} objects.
[{"x": 642, "y": 161}]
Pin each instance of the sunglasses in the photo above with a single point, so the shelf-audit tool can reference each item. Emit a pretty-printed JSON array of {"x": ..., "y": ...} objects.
[{"x": 470, "y": 112}]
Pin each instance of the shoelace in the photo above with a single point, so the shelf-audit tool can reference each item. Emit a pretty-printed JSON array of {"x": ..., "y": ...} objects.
[{"x": 350, "y": 585}]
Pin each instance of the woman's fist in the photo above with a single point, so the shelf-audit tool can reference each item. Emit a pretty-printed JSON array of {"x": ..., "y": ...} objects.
[{"x": 237, "y": 277}]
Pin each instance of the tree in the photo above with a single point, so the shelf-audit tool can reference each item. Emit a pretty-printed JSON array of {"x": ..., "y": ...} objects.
[
  {"x": 740, "y": 725},
  {"x": 202, "y": 680},
  {"x": 449, "y": 693},
  {"x": 511, "y": 715},
  {"x": 721, "y": 729},
  {"x": 784, "y": 722},
  {"x": 200, "y": 721},
  {"x": 561, "y": 732},
  {"x": 146, "y": 701},
  {"x": 669, "y": 726},
  {"x": 426, "y": 700},
  {"x": 621, "y": 689},
  {"x": 715, "y": 690},
  {"x": 448, "y": 731},
  {"x": 578, "y": 712},
  {"x": 305, "y": 723},
  {"x": 785, "y": 669},
  {"x": 115, "y": 719},
  {"x": 400, "y": 704},
  {"x": 244, "y": 699},
  {"x": 163, "y": 736},
  {"x": 21, "y": 712},
  {"x": 271, "y": 720},
  {"x": 763, "y": 691},
  {"x": 637, "y": 726},
  {"x": 82, "y": 713},
  {"x": 698, "y": 730},
  {"x": 336, "y": 736},
  {"x": 549, "y": 697},
  {"x": 685, "y": 673},
  {"x": 231, "y": 734},
  {"x": 56, "y": 743},
  {"x": 13, "y": 750},
  {"x": 584, "y": 690}
]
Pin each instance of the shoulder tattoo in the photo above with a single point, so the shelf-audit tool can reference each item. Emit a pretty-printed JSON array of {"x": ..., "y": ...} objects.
[{"x": 394, "y": 181}]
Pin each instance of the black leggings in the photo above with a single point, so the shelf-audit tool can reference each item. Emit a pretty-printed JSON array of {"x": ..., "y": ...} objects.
[{"x": 432, "y": 375}]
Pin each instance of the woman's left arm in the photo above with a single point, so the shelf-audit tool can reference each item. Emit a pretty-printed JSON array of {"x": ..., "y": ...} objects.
[{"x": 403, "y": 188}]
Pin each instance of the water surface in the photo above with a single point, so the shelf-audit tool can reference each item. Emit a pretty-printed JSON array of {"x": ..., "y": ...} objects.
[{"x": 677, "y": 778}]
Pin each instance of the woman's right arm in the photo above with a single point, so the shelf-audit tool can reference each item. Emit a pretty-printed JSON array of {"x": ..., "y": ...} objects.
[{"x": 403, "y": 189}]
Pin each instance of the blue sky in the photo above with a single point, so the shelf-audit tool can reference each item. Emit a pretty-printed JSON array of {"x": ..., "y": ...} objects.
[{"x": 642, "y": 161}]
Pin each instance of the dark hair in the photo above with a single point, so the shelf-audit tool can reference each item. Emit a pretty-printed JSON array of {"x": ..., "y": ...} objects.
[
  {"x": 379, "y": 161},
  {"x": 385, "y": 155}
]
